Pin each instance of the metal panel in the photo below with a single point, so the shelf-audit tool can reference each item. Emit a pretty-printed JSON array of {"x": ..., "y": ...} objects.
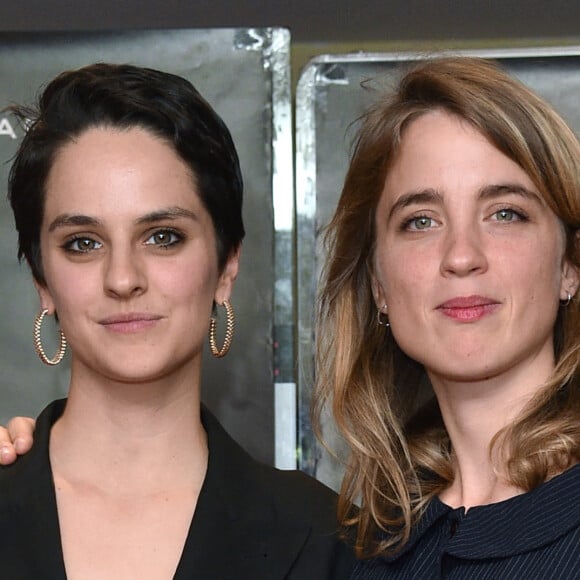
[
  {"x": 329, "y": 98},
  {"x": 244, "y": 73}
]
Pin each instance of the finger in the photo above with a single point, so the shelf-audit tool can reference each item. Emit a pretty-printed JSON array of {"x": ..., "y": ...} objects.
[
  {"x": 20, "y": 431},
  {"x": 7, "y": 451}
]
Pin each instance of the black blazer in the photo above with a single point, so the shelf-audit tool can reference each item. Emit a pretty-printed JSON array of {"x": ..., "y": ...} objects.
[{"x": 251, "y": 521}]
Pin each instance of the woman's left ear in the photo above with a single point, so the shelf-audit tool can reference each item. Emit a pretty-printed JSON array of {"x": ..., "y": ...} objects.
[
  {"x": 378, "y": 294},
  {"x": 45, "y": 298},
  {"x": 228, "y": 276},
  {"x": 570, "y": 280}
]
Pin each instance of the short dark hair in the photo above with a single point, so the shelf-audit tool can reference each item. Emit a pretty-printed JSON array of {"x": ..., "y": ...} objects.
[{"x": 125, "y": 96}]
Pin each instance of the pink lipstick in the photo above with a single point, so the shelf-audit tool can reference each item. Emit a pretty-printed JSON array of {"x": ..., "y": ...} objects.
[
  {"x": 468, "y": 308},
  {"x": 129, "y": 323}
]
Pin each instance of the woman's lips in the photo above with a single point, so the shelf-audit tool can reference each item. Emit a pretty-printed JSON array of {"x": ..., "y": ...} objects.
[
  {"x": 129, "y": 323},
  {"x": 468, "y": 308}
]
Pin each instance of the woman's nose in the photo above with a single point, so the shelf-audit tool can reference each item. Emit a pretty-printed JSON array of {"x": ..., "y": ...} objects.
[
  {"x": 124, "y": 275},
  {"x": 463, "y": 252}
]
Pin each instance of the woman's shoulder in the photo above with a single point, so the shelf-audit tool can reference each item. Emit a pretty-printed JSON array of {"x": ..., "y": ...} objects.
[
  {"x": 287, "y": 513},
  {"x": 291, "y": 491},
  {"x": 303, "y": 499},
  {"x": 300, "y": 494}
]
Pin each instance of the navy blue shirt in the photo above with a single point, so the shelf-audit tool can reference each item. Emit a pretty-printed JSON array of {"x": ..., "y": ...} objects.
[{"x": 535, "y": 535}]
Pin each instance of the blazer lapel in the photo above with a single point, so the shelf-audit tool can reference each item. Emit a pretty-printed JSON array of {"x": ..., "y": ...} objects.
[{"x": 237, "y": 531}]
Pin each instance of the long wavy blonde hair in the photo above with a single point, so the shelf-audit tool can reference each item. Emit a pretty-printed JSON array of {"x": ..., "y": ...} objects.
[{"x": 381, "y": 400}]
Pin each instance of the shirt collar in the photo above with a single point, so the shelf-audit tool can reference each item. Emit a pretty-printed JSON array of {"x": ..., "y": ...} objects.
[{"x": 516, "y": 525}]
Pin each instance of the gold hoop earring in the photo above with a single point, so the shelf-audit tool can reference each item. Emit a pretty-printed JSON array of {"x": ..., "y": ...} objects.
[
  {"x": 383, "y": 317},
  {"x": 230, "y": 321},
  {"x": 38, "y": 342}
]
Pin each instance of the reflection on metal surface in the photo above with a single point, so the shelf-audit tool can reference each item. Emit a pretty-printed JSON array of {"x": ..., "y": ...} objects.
[
  {"x": 285, "y": 422},
  {"x": 283, "y": 199},
  {"x": 306, "y": 276},
  {"x": 251, "y": 38},
  {"x": 329, "y": 98},
  {"x": 332, "y": 74},
  {"x": 283, "y": 170}
]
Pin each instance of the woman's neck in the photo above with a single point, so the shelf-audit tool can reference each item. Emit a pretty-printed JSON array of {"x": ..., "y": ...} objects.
[
  {"x": 474, "y": 413},
  {"x": 138, "y": 438}
]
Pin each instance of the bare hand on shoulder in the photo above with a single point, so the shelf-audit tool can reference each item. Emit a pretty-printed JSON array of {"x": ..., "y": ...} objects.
[{"x": 16, "y": 439}]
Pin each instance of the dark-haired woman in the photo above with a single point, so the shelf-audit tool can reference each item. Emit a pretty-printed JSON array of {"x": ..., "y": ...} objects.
[{"x": 127, "y": 196}]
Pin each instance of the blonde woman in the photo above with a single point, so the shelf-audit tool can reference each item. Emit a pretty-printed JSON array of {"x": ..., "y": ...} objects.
[{"x": 449, "y": 331}]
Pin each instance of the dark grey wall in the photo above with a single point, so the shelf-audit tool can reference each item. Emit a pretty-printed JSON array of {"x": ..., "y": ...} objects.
[{"x": 320, "y": 21}]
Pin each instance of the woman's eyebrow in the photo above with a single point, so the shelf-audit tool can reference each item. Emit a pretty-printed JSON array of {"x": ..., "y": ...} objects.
[
  {"x": 415, "y": 197},
  {"x": 501, "y": 189},
  {"x": 66, "y": 219},
  {"x": 170, "y": 213}
]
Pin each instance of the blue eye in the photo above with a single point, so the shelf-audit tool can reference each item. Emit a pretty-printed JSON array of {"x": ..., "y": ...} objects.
[
  {"x": 508, "y": 215},
  {"x": 164, "y": 238},
  {"x": 419, "y": 223},
  {"x": 505, "y": 215},
  {"x": 82, "y": 245}
]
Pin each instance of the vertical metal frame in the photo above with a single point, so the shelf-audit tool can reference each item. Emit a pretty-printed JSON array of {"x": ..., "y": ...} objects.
[{"x": 285, "y": 401}]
